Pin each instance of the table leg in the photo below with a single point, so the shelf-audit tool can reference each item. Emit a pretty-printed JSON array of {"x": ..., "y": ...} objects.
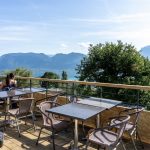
[
  {"x": 7, "y": 109},
  {"x": 98, "y": 121},
  {"x": 32, "y": 108},
  {"x": 7, "y": 104},
  {"x": 76, "y": 135}
]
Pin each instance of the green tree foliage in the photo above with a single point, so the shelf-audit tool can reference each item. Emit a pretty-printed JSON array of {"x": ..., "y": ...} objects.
[
  {"x": 109, "y": 62},
  {"x": 114, "y": 63},
  {"x": 22, "y": 72},
  {"x": 64, "y": 75},
  {"x": 49, "y": 75}
]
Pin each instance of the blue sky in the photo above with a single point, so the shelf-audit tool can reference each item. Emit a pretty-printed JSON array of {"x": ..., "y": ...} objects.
[{"x": 63, "y": 26}]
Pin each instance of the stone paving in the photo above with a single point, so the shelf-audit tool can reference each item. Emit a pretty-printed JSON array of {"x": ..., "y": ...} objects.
[{"x": 28, "y": 139}]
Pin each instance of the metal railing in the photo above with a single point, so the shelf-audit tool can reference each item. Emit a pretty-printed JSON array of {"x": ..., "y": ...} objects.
[{"x": 131, "y": 94}]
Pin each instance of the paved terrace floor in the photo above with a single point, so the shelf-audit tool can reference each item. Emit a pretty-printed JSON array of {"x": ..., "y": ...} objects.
[{"x": 28, "y": 139}]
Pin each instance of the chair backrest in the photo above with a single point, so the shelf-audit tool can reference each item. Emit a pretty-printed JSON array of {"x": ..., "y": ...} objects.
[
  {"x": 52, "y": 98},
  {"x": 47, "y": 117},
  {"x": 121, "y": 124},
  {"x": 134, "y": 114},
  {"x": 25, "y": 106},
  {"x": 72, "y": 98}
]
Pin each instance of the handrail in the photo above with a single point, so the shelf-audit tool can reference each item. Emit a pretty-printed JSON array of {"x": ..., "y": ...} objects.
[{"x": 124, "y": 86}]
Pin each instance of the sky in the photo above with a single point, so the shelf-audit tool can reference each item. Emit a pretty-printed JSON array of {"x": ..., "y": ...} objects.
[{"x": 64, "y": 26}]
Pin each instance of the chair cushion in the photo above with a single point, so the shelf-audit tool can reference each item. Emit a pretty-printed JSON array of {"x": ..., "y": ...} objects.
[
  {"x": 14, "y": 111},
  {"x": 103, "y": 137},
  {"x": 58, "y": 125}
]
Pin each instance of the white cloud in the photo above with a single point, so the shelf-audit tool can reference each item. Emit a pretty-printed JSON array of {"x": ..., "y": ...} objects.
[
  {"x": 84, "y": 45},
  {"x": 64, "y": 46},
  {"x": 5, "y": 38},
  {"x": 116, "y": 19},
  {"x": 14, "y": 28},
  {"x": 139, "y": 37}
]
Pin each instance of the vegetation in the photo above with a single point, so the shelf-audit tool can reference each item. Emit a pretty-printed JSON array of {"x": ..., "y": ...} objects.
[
  {"x": 115, "y": 63},
  {"x": 22, "y": 72},
  {"x": 49, "y": 75},
  {"x": 64, "y": 75}
]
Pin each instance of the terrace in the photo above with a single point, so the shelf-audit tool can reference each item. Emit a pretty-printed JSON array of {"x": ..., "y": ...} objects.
[{"x": 64, "y": 139}]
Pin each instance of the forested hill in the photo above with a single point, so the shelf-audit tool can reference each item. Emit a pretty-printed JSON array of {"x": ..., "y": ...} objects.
[{"x": 39, "y": 62}]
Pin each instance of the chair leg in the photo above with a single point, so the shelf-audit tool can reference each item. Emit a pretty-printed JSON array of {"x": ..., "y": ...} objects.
[
  {"x": 53, "y": 139},
  {"x": 5, "y": 116},
  {"x": 33, "y": 118},
  {"x": 25, "y": 120},
  {"x": 87, "y": 144},
  {"x": 83, "y": 129},
  {"x": 137, "y": 133},
  {"x": 17, "y": 124},
  {"x": 37, "y": 142},
  {"x": 109, "y": 148},
  {"x": 123, "y": 146},
  {"x": 133, "y": 141}
]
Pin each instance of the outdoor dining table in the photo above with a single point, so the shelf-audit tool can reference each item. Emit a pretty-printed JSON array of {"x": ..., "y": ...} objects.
[
  {"x": 83, "y": 110},
  {"x": 7, "y": 95},
  {"x": 99, "y": 102}
]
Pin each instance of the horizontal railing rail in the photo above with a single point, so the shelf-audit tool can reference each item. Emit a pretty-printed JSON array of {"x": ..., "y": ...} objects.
[
  {"x": 132, "y": 94},
  {"x": 112, "y": 85}
]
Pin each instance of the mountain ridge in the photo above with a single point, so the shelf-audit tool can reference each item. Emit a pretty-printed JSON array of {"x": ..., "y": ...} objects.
[
  {"x": 42, "y": 62},
  {"x": 145, "y": 51}
]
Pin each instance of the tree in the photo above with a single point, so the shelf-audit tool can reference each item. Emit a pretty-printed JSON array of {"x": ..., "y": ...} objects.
[
  {"x": 64, "y": 75},
  {"x": 109, "y": 62},
  {"x": 22, "y": 72},
  {"x": 115, "y": 63},
  {"x": 49, "y": 75}
]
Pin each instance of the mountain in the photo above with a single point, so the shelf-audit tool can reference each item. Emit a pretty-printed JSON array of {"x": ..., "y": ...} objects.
[
  {"x": 145, "y": 51},
  {"x": 40, "y": 63}
]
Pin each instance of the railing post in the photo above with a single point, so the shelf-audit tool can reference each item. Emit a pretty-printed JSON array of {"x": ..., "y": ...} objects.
[
  {"x": 74, "y": 89},
  {"x": 138, "y": 98},
  {"x": 66, "y": 89},
  {"x": 30, "y": 83},
  {"x": 46, "y": 89},
  {"x": 101, "y": 93}
]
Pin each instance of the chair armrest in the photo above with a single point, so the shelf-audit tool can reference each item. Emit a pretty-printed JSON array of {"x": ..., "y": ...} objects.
[
  {"x": 47, "y": 118},
  {"x": 89, "y": 132},
  {"x": 130, "y": 110},
  {"x": 45, "y": 99},
  {"x": 112, "y": 124}
]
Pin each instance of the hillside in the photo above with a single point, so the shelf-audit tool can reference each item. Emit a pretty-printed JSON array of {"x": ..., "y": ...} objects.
[{"x": 39, "y": 62}]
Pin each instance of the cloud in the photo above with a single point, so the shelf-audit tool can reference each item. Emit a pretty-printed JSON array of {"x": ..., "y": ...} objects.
[
  {"x": 8, "y": 38},
  {"x": 139, "y": 37},
  {"x": 14, "y": 33},
  {"x": 64, "y": 46},
  {"x": 14, "y": 28},
  {"x": 84, "y": 45},
  {"x": 128, "y": 33},
  {"x": 115, "y": 19}
]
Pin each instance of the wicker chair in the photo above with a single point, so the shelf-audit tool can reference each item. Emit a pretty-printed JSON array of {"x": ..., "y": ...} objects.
[
  {"x": 24, "y": 109},
  {"x": 131, "y": 126},
  {"x": 106, "y": 138},
  {"x": 1, "y": 139},
  {"x": 50, "y": 122}
]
